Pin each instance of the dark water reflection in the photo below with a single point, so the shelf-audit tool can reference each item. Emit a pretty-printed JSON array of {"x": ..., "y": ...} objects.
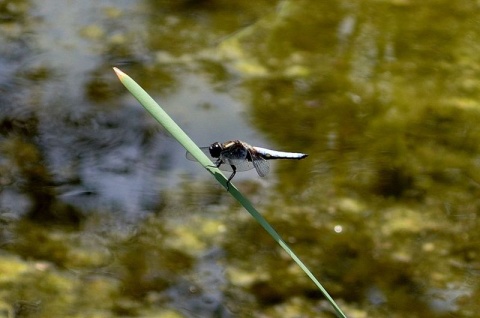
[{"x": 99, "y": 214}]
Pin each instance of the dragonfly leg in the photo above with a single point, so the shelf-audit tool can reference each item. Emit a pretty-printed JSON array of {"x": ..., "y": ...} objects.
[
  {"x": 217, "y": 164},
  {"x": 231, "y": 176}
]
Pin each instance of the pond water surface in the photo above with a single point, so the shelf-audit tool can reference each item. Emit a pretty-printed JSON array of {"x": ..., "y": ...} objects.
[{"x": 102, "y": 215}]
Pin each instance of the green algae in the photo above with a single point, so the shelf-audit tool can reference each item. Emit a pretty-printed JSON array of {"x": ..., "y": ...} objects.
[{"x": 383, "y": 95}]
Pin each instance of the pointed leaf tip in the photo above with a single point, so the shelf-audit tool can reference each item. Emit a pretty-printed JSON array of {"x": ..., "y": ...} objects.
[{"x": 119, "y": 73}]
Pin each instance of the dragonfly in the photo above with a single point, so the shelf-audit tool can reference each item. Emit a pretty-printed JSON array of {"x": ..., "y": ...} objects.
[{"x": 237, "y": 155}]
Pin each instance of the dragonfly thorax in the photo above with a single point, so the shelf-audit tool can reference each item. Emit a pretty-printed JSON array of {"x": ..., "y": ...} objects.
[{"x": 215, "y": 149}]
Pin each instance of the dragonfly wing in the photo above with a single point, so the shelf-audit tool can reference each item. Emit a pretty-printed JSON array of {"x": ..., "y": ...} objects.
[
  {"x": 260, "y": 164},
  {"x": 240, "y": 164}
]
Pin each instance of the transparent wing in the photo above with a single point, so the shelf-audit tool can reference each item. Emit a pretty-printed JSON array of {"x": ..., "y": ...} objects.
[
  {"x": 240, "y": 164},
  {"x": 261, "y": 165}
]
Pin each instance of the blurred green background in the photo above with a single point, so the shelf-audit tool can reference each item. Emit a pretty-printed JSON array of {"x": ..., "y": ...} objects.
[{"x": 102, "y": 216}]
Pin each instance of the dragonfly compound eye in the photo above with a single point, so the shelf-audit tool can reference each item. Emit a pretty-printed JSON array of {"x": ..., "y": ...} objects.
[{"x": 215, "y": 150}]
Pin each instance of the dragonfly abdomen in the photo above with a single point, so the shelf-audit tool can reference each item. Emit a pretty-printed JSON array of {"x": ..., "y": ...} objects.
[{"x": 273, "y": 154}]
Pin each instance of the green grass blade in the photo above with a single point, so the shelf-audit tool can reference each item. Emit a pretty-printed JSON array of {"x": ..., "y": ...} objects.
[{"x": 162, "y": 117}]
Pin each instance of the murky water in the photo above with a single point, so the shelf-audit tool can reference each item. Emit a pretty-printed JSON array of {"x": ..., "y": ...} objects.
[{"x": 103, "y": 216}]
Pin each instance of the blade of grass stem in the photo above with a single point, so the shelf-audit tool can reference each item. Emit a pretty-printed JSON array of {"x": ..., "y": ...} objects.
[{"x": 164, "y": 119}]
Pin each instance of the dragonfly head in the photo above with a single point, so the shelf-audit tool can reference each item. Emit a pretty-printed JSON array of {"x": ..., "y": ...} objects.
[{"x": 215, "y": 149}]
